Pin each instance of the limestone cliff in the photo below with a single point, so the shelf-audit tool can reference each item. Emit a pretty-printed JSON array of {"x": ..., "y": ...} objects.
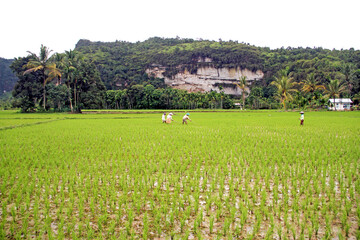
[{"x": 206, "y": 78}]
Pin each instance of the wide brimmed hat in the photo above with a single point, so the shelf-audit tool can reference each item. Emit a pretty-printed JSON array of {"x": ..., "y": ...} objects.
[{"x": 301, "y": 112}]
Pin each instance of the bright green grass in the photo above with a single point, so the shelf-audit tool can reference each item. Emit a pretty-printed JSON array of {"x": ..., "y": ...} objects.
[{"x": 225, "y": 174}]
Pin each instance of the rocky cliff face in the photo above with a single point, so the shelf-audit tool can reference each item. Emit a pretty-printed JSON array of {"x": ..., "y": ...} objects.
[{"x": 206, "y": 78}]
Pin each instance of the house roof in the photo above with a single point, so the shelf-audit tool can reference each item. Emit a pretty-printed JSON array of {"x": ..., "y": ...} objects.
[{"x": 340, "y": 100}]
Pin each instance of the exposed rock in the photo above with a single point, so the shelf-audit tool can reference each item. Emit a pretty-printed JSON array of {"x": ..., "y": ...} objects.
[{"x": 206, "y": 78}]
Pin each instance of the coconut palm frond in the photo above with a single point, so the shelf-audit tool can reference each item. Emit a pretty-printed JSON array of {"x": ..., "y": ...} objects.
[
  {"x": 34, "y": 69},
  {"x": 311, "y": 84},
  {"x": 285, "y": 85},
  {"x": 44, "y": 64}
]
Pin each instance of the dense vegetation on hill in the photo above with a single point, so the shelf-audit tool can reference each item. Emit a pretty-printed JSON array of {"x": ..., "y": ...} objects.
[
  {"x": 293, "y": 77},
  {"x": 7, "y": 77},
  {"x": 126, "y": 62}
]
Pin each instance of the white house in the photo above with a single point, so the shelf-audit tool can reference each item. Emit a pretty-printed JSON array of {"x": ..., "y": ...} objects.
[{"x": 340, "y": 104}]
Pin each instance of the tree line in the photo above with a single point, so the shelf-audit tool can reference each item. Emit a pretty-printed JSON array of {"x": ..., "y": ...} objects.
[
  {"x": 149, "y": 97},
  {"x": 112, "y": 75},
  {"x": 70, "y": 82},
  {"x": 64, "y": 81}
]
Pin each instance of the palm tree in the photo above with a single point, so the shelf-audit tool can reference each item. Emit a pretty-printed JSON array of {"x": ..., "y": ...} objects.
[
  {"x": 59, "y": 59},
  {"x": 311, "y": 84},
  {"x": 43, "y": 64},
  {"x": 284, "y": 84},
  {"x": 71, "y": 74},
  {"x": 242, "y": 84},
  {"x": 334, "y": 89}
]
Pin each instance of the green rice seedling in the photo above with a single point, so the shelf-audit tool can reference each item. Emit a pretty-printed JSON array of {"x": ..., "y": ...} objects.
[
  {"x": 243, "y": 218},
  {"x": 172, "y": 218},
  {"x": 328, "y": 222},
  {"x": 207, "y": 206},
  {"x": 2, "y": 230},
  {"x": 232, "y": 213},
  {"x": 310, "y": 231},
  {"x": 211, "y": 224},
  {"x": 61, "y": 229},
  {"x": 172, "y": 235},
  {"x": 344, "y": 219},
  {"x": 196, "y": 206},
  {"x": 195, "y": 226},
  {"x": 340, "y": 236},
  {"x": 13, "y": 213},
  {"x": 226, "y": 226},
  {"x": 348, "y": 206},
  {"x": 293, "y": 232},
  {"x": 218, "y": 215},
  {"x": 182, "y": 224},
  {"x": 357, "y": 234},
  {"x": 347, "y": 229},
  {"x": 257, "y": 226},
  {"x": 187, "y": 234},
  {"x": 279, "y": 231},
  {"x": 25, "y": 224},
  {"x": 145, "y": 226}
]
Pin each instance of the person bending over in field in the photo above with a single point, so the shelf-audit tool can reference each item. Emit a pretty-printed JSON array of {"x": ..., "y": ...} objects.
[
  {"x": 163, "y": 118},
  {"x": 185, "y": 118},
  {"x": 301, "y": 118},
  {"x": 169, "y": 118}
]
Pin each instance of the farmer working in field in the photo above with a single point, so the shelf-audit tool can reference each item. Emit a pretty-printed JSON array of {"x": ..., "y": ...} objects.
[
  {"x": 163, "y": 118},
  {"x": 169, "y": 118},
  {"x": 301, "y": 118},
  {"x": 185, "y": 118}
]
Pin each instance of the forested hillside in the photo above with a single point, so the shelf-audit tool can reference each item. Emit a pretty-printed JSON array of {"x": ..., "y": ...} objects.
[
  {"x": 114, "y": 75},
  {"x": 125, "y": 63},
  {"x": 7, "y": 77}
]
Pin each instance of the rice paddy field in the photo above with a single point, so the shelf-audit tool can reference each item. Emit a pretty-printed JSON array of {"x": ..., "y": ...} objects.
[{"x": 225, "y": 175}]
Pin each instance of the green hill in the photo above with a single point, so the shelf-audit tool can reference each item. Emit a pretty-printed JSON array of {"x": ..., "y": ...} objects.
[
  {"x": 7, "y": 77},
  {"x": 122, "y": 64}
]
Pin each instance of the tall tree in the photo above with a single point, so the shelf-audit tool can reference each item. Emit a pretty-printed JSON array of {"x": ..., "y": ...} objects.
[
  {"x": 285, "y": 86},
  {"x": 70, "y": 72},
  {"x": 43, "y": 64},
  {"x": 311, "y": 84},
  {"x": 334, "y": 89},
  {"x": 27, "y": 90},
  {"x": 348, "y": 70},
  {"x": 242, "y": 84}
]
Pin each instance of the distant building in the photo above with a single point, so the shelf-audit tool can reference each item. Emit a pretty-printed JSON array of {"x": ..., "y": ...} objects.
[
  {"x": 340, "y": 104},
  {"x": 237, "y": 105}
]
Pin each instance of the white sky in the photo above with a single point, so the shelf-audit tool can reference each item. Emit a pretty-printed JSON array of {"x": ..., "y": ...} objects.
[{"x": 25, "y": 24}]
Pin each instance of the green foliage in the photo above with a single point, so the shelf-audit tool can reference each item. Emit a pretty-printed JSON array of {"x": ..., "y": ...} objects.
[
  {"x": 78, "y": 87},
  {"x": 147, "y": 97},
  {"x": 123, "y": 63},
  {"x": 94, "y": 67},
  {"x": 28, "y": 90},
  {"x": 7, "y": 77}
]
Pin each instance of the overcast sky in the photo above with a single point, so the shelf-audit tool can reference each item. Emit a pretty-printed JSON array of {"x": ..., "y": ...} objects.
[{"x": 25, "y": 25}]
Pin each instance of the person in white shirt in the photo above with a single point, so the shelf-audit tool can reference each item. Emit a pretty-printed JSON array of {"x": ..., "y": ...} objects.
[
  {"x": 163, "y": 118},
  {"x": 185, "y": 118},
  {"x": 301, "y": 118},
  {"x": 169, "y": 118}
]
